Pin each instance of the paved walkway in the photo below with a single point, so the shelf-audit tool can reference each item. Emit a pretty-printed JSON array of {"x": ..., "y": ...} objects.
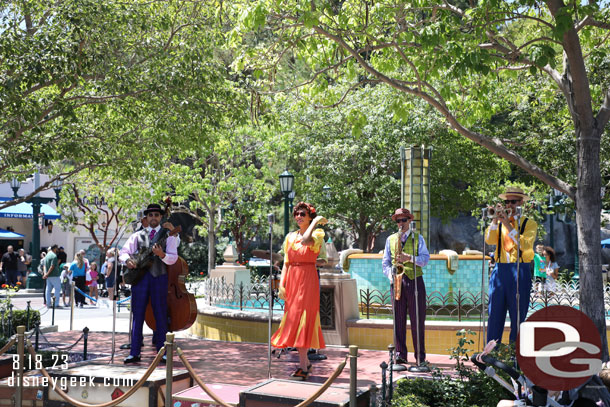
[{"x": 214, "y": 361}]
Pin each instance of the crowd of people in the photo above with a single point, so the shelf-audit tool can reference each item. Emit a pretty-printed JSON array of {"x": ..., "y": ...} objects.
[
  {"x": 58, "y": 273},
  {"x": 405, "y": 256}
]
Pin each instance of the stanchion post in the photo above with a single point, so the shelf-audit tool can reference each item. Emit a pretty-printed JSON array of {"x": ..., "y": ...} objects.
[
  {"x": 391, "y": 350},
  {"x": 27, "y": 317},
  {"x": 85, "y": 338},
  {"x": 373, "y": 395},
  {"x": 384, "y": 368},
  {"x": 71, "y": 305},
  {"x": 53, "y": 310},
  {"x": 169, "y": 366},
  {"x": 10, "y": 319},
  {"x": 353, "y": 374},
  {"x": 37, "y": 335},
  {"x": 21, "y": 358}
]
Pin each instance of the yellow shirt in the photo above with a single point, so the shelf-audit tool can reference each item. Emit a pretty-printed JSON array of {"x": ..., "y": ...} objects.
[{"x": 509, "y": 241}]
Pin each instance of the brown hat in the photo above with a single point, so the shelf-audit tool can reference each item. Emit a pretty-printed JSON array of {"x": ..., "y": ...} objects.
[
  {"x": 514, "y": 191},
  {"x": 402, "y": 212}
]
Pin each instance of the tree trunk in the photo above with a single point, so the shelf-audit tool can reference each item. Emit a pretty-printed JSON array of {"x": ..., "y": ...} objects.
[
  {"x": 211, "y": 240},
  {"x": 362, "y": 234},
  {"x": 588, "y": 209}
]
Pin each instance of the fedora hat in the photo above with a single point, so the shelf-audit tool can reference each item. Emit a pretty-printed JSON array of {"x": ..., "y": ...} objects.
[
  {"x": 514, "y": 191},
  {"x": 153, "y": 208},
  {"x": 400, "y": 212}
]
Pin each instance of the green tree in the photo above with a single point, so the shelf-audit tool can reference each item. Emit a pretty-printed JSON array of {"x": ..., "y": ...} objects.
[
  {"x": 99, "y": 83},
  {"x": 351, "y": 158},
  {"x": 103, "y": 205},
  {"x": 211, "y": 177},
  {"x": 452, "y": 57}
]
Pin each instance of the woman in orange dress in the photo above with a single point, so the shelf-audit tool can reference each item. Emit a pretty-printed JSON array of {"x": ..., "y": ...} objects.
[{"x": 300, "y": 288}]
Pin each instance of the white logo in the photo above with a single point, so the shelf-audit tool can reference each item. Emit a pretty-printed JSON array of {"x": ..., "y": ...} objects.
[{"x": 570, "y": 344}]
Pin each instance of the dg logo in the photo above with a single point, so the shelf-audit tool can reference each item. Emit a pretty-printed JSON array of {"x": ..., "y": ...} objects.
[{"x": 559, "y": 348}]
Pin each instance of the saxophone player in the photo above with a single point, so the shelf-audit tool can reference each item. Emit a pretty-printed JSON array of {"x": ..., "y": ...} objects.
[
  {"x": 514, "y": 246},
  {"x": 399, "y": 253}
]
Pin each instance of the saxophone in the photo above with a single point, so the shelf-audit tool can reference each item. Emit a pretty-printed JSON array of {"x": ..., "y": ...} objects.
[{"x": 399, "y": 269}]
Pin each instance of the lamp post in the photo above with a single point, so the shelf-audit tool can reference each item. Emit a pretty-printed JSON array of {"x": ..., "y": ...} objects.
[
  {"x": 286, "y": 184},
  {"x": 291, "y": 196},
  {"x": 34, "y": 279}
]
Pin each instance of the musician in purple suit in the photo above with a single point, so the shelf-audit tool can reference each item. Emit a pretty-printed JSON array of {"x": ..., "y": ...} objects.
[{"x": 153, "y": 285}]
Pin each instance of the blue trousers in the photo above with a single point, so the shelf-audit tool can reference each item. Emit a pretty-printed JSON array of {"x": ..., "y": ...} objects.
[
  {"x": 155, "y": 289},
  {"x": 503, "y": 297}
]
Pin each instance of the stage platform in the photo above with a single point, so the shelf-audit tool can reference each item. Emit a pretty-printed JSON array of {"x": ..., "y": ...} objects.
[
  {"x": 237, "y": 363},
  {"x": 245, "y": 364}
]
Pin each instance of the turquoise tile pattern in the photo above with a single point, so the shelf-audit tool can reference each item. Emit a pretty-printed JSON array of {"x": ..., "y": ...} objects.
[{"x": 367, "y": 271}]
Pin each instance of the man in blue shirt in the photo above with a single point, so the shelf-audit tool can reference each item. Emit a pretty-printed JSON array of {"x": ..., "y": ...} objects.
[{"x": 399, "y": 253}]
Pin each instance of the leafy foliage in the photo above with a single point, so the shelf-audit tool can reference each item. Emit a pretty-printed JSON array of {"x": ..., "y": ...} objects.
[{"x": 473, "y": 388}]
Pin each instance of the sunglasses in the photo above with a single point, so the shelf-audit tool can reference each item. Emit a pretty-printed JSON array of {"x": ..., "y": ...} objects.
[
  {"x": 512, "y": 201},
  {"x": 402, "y": 220},
  {"x": 301, "y": 214}
]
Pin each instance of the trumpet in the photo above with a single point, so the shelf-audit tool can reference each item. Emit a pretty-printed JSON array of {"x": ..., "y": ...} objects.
[
  {"x": 495, "y": 213},
  {"x": 399, "y": 270}
]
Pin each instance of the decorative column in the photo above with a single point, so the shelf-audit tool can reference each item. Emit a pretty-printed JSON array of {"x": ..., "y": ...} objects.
[{"x": 415, "y": 185}]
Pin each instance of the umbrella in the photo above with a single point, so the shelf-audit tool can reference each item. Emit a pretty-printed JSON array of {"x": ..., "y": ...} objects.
[
  {"x": 7, "y": 234},
  {"x": 24, "y": 210},
  {"x": 606, "y": 244}
]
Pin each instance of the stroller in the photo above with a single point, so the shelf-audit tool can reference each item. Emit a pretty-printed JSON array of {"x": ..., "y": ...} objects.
[{"x": 590, "y": 394}]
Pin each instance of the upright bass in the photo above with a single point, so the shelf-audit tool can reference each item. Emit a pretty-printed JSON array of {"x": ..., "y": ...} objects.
[{"x": 181, "y": 305}]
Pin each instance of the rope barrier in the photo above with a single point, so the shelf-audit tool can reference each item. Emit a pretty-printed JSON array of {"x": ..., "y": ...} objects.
[
  {"x": 10, "y": 344},
  {"x": 304, "y": 403},
  {"x": 57, "y": 347},
  {"x": 123, "y": 300},
  {"x": 325, "y": 386},
  {"x": 198, "y": 380},
  {"x": 85, "y": 295},
  {"x": 114, "y": 402}
]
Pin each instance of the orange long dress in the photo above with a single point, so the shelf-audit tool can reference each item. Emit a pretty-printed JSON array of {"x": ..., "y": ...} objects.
[{"x": 300, "y": 326}]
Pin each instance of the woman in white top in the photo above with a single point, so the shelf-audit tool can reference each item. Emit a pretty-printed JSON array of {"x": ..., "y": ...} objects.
[{"x": 552, "y": 270}]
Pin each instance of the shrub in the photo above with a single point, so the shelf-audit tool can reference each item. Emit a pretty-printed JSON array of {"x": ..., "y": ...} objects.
[
  {"x": 472, "y": 388},
  {"x": 196, "y": 256}
]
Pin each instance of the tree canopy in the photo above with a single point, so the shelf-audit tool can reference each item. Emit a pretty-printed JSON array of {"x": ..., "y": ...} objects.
[{"x": 453, "y": 56}]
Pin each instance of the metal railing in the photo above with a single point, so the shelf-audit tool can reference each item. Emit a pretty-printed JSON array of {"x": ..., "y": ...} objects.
[
  {"x": 242, "y": 296},
  {"x": 459, "y": 305}
]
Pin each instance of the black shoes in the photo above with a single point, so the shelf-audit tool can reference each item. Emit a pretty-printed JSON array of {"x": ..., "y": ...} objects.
[
  {"x": 131, "y": 359},
  {"x": 401, "y": 361}
]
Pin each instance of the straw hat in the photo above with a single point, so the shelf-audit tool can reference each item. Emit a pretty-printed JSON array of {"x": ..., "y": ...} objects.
[
  {"x": 400, "y": 212},
  {"x": 514, "y": 191}
]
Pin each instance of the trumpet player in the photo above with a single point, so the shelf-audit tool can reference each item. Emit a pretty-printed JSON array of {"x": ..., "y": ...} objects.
[
  {"x": 514, "y": 246},
  {"x": 399, "y": 254}
]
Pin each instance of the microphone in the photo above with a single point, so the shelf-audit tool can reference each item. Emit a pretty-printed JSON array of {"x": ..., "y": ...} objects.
[
  {"x": 518, "y": 209},
  {"x": 271, "y": 218},
  {"x": 413, "y": 226}
]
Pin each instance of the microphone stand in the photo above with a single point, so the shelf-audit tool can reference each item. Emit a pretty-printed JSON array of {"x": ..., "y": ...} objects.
[
  {"x": 418, "y": 368},
  {"x": 482, "y": 324},
  {"x": 270, "y": 218},
  {"x": 393, "y": 365},
  {"x": 115, "y": 295},
  {"x": 518, "y": 295}
]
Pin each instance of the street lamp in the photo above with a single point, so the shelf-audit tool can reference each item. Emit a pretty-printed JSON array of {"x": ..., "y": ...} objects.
[
  {"x": 290, "y": 201},
  {"x": 286, "y": 184},
  {"x": 34, "y": 279},
  {"x": 15, "y": 185}
]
